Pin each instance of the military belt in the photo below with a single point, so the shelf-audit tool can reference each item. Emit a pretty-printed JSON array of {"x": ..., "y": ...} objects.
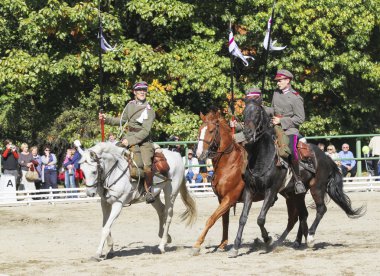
[{"x": 133, "y": 129}]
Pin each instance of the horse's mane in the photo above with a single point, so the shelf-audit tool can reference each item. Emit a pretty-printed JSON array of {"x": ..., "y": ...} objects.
[{"x": 105, "y": 147}]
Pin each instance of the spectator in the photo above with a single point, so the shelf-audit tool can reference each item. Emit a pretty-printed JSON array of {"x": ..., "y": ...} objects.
[
  {"x": 10, "y": 160},
  {"x": 176, "y": 147},
  {"x": 210, "y": 170},
  {"x": 331, "y": 152},
  {"x": 25, "y": 161},
  {"x": 112, "y": 138},
  {"x": 37, "y": 165},
  {"x": 374, "y": 146},
  {"x": 192, "y": 173},
  {"x": 49, "y": 169},
  {"x": 321, "y": 146},
  {"x": 348, "y": 166},
  {"x": 68, "y": 166}
]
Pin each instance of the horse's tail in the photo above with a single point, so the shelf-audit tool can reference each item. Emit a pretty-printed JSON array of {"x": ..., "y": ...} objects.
[
  {"x": 336, "y": 193},
  {"x": 190, "y": 214}
]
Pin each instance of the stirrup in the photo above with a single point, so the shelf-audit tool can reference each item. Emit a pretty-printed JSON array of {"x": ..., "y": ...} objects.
[
  {"x": 149, "y": 198},
  {"x": 299, "y": 187}
]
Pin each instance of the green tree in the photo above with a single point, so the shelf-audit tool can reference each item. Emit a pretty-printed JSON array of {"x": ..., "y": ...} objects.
[{"x": 49, "y": 59}]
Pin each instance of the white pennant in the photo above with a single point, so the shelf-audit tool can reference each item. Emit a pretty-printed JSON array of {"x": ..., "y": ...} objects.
[
  {"x": 235, "y": 51},
  {"x": 104, "y": 44},
  {"x": 272, "y": 46}
]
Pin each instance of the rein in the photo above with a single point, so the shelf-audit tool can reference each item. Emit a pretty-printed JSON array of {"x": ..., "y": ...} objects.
[
  {"x": 214, "y": 144},
  {"x": 100, "y": 170}
]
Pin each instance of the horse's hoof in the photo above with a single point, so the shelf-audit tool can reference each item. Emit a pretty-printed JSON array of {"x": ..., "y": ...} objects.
[
  {"x": 195, "y": 251},
  {"x": 268, "y": 240},
  {"x": 310, "y": 240},
  {"x": 221, "y": 249},
  {"x": 96, "y": 259},
  {"x": 162, "y": 249},
  {"x": 233, "y": 253},
  {"x": 296, "y": 244}
]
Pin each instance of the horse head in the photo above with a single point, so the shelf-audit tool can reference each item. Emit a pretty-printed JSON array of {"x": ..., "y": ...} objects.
[
  {"x": 214, "y": 135},
  {"x": 255, "y": 120},
  {"x": 90, "y": 164}
]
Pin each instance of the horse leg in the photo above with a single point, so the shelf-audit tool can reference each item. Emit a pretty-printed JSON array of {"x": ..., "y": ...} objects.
[
  {"x": 247, "y": 199},
  {"x": 292, "y": 219},
  {"x": 269, "y": 199},
  {"x": 223, "y": 207},
  {"x": 106, "y": 209},
  {"x": 318, "y": 197},
  {"x": 303, "y": 214},
  {"x": 168, "y": 215},
  {"x": 106, "y": 230},
  {"x": 160, "y": 209},
  {"x": 226, "y": 222}
]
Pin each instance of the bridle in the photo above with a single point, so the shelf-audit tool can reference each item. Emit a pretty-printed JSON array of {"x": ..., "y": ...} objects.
[
  {"x": 100, "y": 172},
  {"x": 214, "y": 143}
]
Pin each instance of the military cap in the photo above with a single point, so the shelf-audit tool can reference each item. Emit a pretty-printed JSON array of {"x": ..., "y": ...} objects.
[
  {"x": 283, "y": 74},
  {"x": 253, "y": 92},
  {"x": 141, "y": 85}
]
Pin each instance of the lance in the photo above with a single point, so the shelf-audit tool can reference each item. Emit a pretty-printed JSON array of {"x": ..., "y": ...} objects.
[
  {"x": 100, "y": 71},
  {"x": 232, "y": 101},
  {"x": 268, "y": 49}
]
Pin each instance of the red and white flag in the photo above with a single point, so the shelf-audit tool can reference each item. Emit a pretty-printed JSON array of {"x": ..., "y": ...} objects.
[{"x": 235, "y": 51}]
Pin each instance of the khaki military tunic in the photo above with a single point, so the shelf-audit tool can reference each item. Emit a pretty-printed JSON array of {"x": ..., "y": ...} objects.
[
  {"x": 290, "y": 108},
  {"x": 139, "y": 118}
]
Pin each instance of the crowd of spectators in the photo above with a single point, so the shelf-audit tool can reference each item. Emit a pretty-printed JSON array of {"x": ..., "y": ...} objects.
[{"x": 19, "y": 161}]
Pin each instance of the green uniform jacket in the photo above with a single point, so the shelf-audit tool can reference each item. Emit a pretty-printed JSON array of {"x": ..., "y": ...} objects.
[
  {"x": 290, "y": 107},
  {"x": 140, "y": 117}
]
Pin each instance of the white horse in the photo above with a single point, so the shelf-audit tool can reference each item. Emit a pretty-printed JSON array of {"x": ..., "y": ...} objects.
[{"x": 106, "y": 171}]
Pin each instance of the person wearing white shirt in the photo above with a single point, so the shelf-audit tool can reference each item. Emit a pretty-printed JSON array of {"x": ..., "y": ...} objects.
[
  {"x": 374, "y": 145},
  {"x": 192, "y": 173}
]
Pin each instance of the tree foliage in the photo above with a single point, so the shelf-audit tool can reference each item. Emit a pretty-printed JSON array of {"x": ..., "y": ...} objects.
[{"x": 49, "y": 62}]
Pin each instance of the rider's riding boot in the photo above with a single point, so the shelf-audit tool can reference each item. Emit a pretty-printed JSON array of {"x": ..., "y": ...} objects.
[
  {"x": 299, "y": 187},
  {"x": 149, "y": 198}
]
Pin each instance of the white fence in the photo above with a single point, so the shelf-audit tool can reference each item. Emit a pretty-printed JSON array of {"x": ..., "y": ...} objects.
[{"x": 53, "y": 196}]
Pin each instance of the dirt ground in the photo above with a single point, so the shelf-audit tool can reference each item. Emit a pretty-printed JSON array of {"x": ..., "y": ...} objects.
[{"x": 60, "y": 239}]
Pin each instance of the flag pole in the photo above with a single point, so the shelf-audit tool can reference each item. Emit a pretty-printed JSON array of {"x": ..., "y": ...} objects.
[
  {"x": 268, "y": 48},
  {"x": 101, "y": 104},
  {"x": 232, "y": 101}
]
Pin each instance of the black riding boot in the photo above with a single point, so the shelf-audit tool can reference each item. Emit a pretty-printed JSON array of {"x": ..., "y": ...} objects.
[
  {"x": 149, "y": 198},
  {"x": 299, "y": 187}
]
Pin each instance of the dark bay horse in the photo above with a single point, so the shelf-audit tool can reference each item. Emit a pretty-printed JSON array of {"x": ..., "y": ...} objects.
[
  {"x": 229, "y": 160},
  {"x": 264, "y": 177}
]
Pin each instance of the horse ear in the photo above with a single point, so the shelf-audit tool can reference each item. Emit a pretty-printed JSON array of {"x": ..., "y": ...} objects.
[
  {"x": 93, "y": 155},
  {"x": 203, "y": 117}
]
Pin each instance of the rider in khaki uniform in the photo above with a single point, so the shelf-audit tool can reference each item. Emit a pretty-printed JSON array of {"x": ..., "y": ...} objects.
[
  {"x": 139, "y": 116},
  {"x": 287, "y": 111}
]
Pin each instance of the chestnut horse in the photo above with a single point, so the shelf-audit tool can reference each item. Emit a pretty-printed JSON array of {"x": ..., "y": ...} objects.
[
  {"x": 264, "y": 177},
  {"x": 229, "y": 160}
]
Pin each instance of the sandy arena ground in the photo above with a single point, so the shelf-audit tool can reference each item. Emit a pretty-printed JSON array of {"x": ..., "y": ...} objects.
[{"x": 60, "y": 239}]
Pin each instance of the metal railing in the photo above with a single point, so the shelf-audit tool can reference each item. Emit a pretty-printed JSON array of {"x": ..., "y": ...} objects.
[{"x": 70, "y": 195}]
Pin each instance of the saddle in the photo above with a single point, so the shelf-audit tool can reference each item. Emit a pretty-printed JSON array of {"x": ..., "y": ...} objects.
[
  {"x": 160, "y": 164},
  {"x": 307, "y": 156}
]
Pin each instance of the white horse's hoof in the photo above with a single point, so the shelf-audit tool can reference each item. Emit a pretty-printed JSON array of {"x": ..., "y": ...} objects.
[
  {"x": 162, "y": 249},
  {"x": 195, "y": 251},
  {"x": 310, "y": 240},
  {"x": 233, "y": 253},
  {"x": 220, "y": 249}
]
